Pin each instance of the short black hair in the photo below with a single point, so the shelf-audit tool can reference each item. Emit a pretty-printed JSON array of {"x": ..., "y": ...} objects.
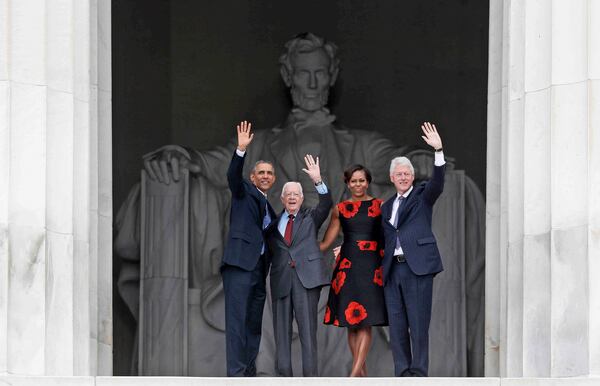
[{"x": 355, "y": 168}]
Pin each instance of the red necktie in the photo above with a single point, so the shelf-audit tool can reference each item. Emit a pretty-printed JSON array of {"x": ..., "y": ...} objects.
[{"x": 287, "y": 236}]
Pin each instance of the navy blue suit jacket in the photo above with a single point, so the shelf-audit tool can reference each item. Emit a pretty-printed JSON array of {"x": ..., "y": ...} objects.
[
  {"x": 248, "y": 208},
  {"x": 414, "y": 228}
]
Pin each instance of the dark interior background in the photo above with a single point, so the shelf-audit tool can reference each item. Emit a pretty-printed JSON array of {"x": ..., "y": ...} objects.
[{"x": 187, "y": 71}]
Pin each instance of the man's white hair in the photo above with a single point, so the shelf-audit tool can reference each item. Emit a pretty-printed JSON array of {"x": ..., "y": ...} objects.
[
  {"x": 401, "y": 161},
  {"x": 290, "y": 183}
]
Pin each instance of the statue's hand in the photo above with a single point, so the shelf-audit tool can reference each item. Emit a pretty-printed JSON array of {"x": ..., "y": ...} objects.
[
  {"x": 422, "y": 161},
  {"x": 165, "y": 164}
]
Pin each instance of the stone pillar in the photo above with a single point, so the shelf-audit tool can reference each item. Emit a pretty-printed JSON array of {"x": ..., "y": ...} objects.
[
  {"x": 55, "y": 188},
  {"x": 543, "y": 188}
]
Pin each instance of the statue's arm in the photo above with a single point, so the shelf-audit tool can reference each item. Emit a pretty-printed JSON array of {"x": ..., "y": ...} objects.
[
  {"x": 213, "y": 164},
  {"x": 164, "y": 164},
  {"x": 378, "y": 151}
]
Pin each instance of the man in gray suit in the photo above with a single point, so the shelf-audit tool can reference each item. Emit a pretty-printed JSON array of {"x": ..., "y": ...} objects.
[{"x": 298, "y": 271}]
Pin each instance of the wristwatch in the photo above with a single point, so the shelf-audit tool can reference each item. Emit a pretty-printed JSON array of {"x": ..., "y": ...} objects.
[
  {"x": 320, "y": 182},
  {"x": 438, "y": 150}
]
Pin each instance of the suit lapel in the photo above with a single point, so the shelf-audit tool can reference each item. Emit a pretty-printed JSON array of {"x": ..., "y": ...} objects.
[
  {"x": 411, "y": 200},
  {"x": 253, "y": 191},
  {"x": 274, "y": 227},
  {"x": 297, "y": 225},
  {"x": 386, "y": 210},
  {"x": 298, "y": 220}
]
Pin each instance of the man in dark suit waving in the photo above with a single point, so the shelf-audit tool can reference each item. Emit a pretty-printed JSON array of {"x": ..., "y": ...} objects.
[
  {"x": 298, "y": 271},
  {"x": 411, "y": 258},
  {"x": 245, "y": 264}
]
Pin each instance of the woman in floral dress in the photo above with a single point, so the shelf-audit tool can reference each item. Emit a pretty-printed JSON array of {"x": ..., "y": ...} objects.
[{"x": 356, "y": 294}]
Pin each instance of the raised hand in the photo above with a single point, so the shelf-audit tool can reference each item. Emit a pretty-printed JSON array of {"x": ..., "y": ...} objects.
[
  {"x": 312, "y": 168},
  {"x": 244, "y": 135},
  {"x": 431, "y": 136}
]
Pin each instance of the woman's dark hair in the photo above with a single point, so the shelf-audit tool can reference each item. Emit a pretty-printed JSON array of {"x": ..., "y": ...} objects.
[{"x": 355, "y": 168}]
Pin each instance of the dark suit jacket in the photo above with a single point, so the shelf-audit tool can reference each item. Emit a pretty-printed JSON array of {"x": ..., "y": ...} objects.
[
  {"x": 304, "y": 250},
  {"x": 414, "y": 227},
  {"x": 245, "y": 238}
]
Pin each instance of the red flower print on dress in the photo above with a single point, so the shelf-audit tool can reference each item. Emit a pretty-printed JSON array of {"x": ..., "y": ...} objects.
[
  {"x": 355, "y": 313},
  {"x": 338, "y": 282},
  {"x": 345, "y": 264},
  {"x": 336, "y": 323},
  {"x": 327, "y": 315},
  {"x": 378, "y": 276},
  {"x": 375, "y": 208},
  {"x": 348, "y": 208},
  {"x": 367, "y": 245},
  {"x": 381, "y": 253}
]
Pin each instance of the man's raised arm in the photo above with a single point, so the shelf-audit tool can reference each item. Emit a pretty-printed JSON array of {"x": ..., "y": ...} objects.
[{"x": 234, "y": 173}]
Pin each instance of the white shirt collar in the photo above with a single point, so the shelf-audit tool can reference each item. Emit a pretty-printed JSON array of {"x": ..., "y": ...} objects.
[
  {"x": 405, "y": 193},
  {"x": 261, "y": 192}
]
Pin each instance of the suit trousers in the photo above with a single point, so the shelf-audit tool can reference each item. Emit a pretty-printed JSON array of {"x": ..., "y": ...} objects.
[
  {"x": 302, "y": 303},
  {"x": 245, "y": 294},
  {"x": 408, "y": 299}
]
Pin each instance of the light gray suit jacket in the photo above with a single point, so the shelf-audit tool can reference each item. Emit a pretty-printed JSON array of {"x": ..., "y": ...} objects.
[{"x": 304, "y": 250}]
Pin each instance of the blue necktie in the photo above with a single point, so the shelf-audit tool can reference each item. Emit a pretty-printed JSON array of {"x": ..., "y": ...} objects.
[{"x": 266, "y": 222}]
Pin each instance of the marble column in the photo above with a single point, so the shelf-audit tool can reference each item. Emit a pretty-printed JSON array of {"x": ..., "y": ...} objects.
[
  {"x": 55, "y": 188},
  {"x": 543, "y": 187}
]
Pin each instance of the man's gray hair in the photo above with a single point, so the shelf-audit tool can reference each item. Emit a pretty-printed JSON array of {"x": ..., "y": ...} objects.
[
  {"x": 262, "y": 161},
  {"x": 290, "y": 183},
  {"x": 308, "y": 42},
  {"x": 401, "y": 161}
]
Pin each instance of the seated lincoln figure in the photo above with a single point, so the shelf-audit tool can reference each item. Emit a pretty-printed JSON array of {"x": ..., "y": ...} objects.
[{"x": 309, "y": 66}]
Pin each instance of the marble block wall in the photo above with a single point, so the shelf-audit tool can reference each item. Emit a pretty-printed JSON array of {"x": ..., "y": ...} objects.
[
  {"x": 543, "y": 188},
  {"x": 55, "y": 187}
]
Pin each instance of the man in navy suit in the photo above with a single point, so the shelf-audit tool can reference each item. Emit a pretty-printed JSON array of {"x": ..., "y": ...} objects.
[
  {"x": 411, "y": 259},
  {"x": 245, "y": 264}
]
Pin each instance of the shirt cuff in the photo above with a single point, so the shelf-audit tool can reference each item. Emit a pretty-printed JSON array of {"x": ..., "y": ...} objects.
[
  {"x": 322, "y": 188},
  {"x": 239, "y": 152},
  {"x": 439, "y": 158}
]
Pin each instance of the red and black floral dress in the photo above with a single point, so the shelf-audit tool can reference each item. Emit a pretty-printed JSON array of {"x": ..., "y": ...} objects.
[{"x": 356, "y": 293}]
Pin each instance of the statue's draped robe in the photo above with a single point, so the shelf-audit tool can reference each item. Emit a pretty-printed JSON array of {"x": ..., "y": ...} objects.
[{"x": 285, "y": 146}]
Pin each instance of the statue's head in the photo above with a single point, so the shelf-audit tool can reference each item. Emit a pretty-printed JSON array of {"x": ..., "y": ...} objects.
[{"x": 309, "y": 67}]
